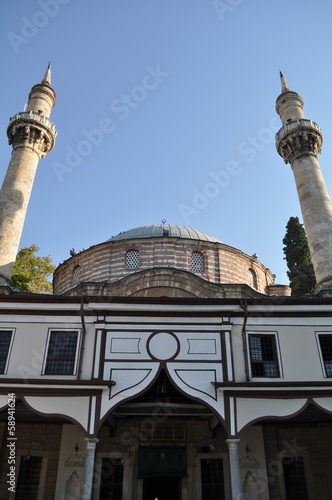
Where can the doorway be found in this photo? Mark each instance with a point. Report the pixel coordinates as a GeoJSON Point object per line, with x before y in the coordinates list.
{"type": "Point", "coordinates": [162, 488]}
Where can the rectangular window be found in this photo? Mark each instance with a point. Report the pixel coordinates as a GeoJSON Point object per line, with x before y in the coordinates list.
{"type": "Point", "coordinates": [263, 355]}
{"type": "Point", "coordinates": [162, 432]}
{"type": "Point", "coordinates": [5, 341]}
{"type": "Point", "coordinates": [212, 479]}
{"type": "Point", "coordinates": [111, 479]}
{"type": "Point", "coordinates": [325, 342]}
{"type": "Point", "coordinates": [29, 477]}
{"type": "Point", "coordinates": [294, 479]}
{"type": "Point", "coordinates": [62, 353]}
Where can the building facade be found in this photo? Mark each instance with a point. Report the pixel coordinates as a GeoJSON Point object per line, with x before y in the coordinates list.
{"type": "Point", "coordinates": [169, 365]}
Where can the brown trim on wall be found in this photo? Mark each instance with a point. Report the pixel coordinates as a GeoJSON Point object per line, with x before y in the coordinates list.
{"type": "Point", "coordinates": [100, 361]}
{"type": "Point", "coordinates": [260, 299]}
{"type": "Point", "coordinates": [40, 312]}
{"type": "Point", "coordinates": [49, 392]}
{"type": "Point", "coordinates": [81, 347]}
{"type": "Point", "coordinates": [232, 354]}
{"type": "Point", "coordinates": [102, 355]}
{"type": "Point", "coordinates": [56, 313]}
{"type": "Point", "coordinates": [227, 415]}
{"type": "Point", "coordinates": [223, 357]}
{"type": "Point", "coordinates": [94, 355]}
{"type": "Point", "coordinates": [295, 394]}
{"type": "Point", "coordinates": [97, 414]}
{"type": "Point", "coordinates": [235, 385]}
{"type": "Point", "coordinates": [89, 417]}
{"type": "Point", "coordinates": [48, 381]}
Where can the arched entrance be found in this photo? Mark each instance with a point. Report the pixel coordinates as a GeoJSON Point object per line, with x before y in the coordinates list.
{"type": "Point", "coordinates": [169, 445]}
{"type": "Point", "coordinates": [35, 452]}
{"type": "Point", "coordinates": [280, 457]}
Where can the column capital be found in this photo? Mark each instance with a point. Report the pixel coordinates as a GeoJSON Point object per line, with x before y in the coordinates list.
{"type": "Point", "coordinates": [232, 442]}
{"type": "Point", "coordinates": [91, 442]}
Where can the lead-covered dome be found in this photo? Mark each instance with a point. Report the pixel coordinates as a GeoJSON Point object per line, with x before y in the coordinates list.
{"type": "Point", "coordinates": [164, 230]}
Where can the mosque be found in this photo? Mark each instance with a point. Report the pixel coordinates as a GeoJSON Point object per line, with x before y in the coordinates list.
{"type": "Point", "coordinates": [167, 364]}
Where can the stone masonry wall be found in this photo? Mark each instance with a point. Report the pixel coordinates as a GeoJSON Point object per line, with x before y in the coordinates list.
{"type": "Point", "coordinates": [106, 262]}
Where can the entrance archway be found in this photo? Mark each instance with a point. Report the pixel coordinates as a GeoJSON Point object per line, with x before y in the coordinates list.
{"type": "Point", "coordinates": [168, 443]}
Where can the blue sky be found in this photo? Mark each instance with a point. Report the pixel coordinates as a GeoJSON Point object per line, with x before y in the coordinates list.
{"type": "Point", "coordinates": [165, 110]}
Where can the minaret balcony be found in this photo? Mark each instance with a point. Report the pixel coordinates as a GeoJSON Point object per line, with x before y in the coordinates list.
{"type": "Point", "coordinates": [292, 126]}
{"type": "Point", "coordinates": [29, 127]}
{"type": "Point", "coordinates": [297, 138]}
{"type": "Point", "coordinates": [33, 117]}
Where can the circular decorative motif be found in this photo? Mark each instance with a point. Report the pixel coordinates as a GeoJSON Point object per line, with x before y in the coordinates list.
{"type": "Point", "coordinates": [163, 346]}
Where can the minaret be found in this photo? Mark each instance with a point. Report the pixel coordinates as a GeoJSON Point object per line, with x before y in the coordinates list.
{"type": "Point", "coordinates": [299, 142]}
{"type": "Point", "coordinates": [32, 135]}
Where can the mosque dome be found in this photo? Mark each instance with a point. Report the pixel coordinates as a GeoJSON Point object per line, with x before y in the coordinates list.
{"type": "Point", "coordinates": [164, 230]}
{"type": "Point", "coordinates": [161, 259]}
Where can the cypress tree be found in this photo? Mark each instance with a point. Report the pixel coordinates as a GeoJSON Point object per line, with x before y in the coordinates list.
{"type": "Point", "coordinates": [297, 255]}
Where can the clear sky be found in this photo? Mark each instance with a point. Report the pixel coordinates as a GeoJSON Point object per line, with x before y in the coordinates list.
{"type": "Point", "coordinates": [165, 110]}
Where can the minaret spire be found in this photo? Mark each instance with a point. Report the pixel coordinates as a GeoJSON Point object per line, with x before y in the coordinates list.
{"type": "Point", "coordinates": [284, 86]}
{"type": "Point", "coordinates": [32, 135]}
{"type": "Point", "coordinates": [47, 76]}
{"type": "Point", "coordinates": [299, 142]}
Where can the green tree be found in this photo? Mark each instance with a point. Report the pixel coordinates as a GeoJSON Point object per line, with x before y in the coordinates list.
{"type": "Point", "coordinates": [301, 272]}
{"type": "Point", "coordinates": [31, 272]}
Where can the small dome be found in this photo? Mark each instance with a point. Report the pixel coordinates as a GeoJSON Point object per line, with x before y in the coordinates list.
{"type": "Point", "coordinates": [164, 230]}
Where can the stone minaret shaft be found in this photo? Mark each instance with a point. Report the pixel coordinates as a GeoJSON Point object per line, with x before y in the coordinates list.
{"type": "Point", "coordinates": [32, 135]}
{"type": "Point", "coordinates": [299, 143]}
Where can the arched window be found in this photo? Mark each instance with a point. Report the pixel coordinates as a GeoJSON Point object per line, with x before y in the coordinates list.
{"type": "Point", "coordinates": [197, 262]}
{"type": "Point", "coordinates": [75, 278]}
{"type": "Point", "coordinates": [132, 259]}
{"type": "Point", "coordinates": [252, 279]}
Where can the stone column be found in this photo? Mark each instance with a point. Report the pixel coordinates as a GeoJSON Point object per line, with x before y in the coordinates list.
{"type": "Point", "coordinates": [89, 467]}
{"type": "Point", "coordinates": [234, 468]}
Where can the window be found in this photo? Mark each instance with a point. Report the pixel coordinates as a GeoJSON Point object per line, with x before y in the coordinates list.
{"type": "Point", "coordinates": [29, 477]}
{"type": "Point", "coordinates": [212, 479]}
{"type": "Point", "coordinates": [197, 262]}
{"type": "Point", "coordinates": [76, 275]}
{"type": "Point", "coordinates": [162, 432]}
{"type": "Point", "coordinates": [132, 259]}
{"type": "Point", "coordinates": [325, 342]}
{"type": "Point", "coordinates": [111, 479]}
{"type": "Point", "coordinates": [62, 351]}
{"type": "Point", "coordinates": [5, 341]}
{"type": "Point", "coordinates": [252, 279]}
{"type": "Point", "coordinates": [263, 355]}
{"type": "Point", "coordinates": [294, 479]}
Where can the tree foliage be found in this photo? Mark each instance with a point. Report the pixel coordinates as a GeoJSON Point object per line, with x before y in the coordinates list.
{"type": "Point", "coordinates": [297, 254]}
{"type": "Point", "coordinates": [31, 272]}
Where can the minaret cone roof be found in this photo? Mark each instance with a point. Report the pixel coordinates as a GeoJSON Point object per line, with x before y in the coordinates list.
{"type": "Point", "coordinates": [47, 76]}
{"type": "Point", "coordinates": [284, 86]}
